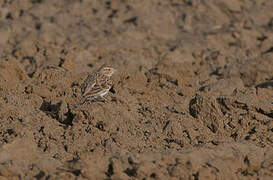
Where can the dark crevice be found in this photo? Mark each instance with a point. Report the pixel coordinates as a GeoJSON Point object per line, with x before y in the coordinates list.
{"type": "Point", "coordinates": [192, 110]}
{"type": "Point", "coordinates": [51, 110]}
{"type": "Point", "coordinates": [74, 160]}
{"type": "Point", "coordinates": [69, 118]}
{"type": "Point", "coordinates": [270, 50]}
{"type": "Point", "coordinates": [113, 13]}
{"type": "Point", "coordinates": [61, 62]}
{"type": "Point", "coordinates": [21, 13]}
{"type": "Point", "coordinates": [176, 141]}
{"type": "Point", "coordinates": [202, 88]}
{"type": "Point", "coordinates": [132, 172]}
{"type": "Point", "coordinates": [132, 20]}
{"type": "Point", "coordinates": [153, 175]}
{"type": "Point", "coordinates": [76, 172]}
{"type": "Point", "coordinates": [108, 4]}
{"type": "Point", "coordinates": [212, 128]}
{"type": "Point", "coordinates": [90, 65]}
{"type": "Point", "coordinates": [36, 1]}
{"type": "Point", "coordinates": [40, 175]}
{"type": "Point", "coordinates": [10, 131]}
{"type": "Point", "coordinates": [216, 72]}
{"type": "Point", "coordinates": [100, 125]}
{"type": "Point", "coordinates": [196, 176]}
{"type": "Point", "coordinates": [213, 167]}
{"type": "Point", "coordinates": [38, 26]}
{"type": "Point", "coordinates": [166, 125]}
{"type": "Point", "coordinates": [262, 38]}
{"type": "Point", "coordinates": [268, 114]}
{"type": "Point", "coordinates": [110, 170]}
{"type": "Point", "coordinates": [65, 148]}
{"type": "Point", "coordinates": [173, 48]}
{"type": "Point", "coordinates": [9, 16]}
{"type": "Point", "coordinates": [265, 85]}
{"type": "Point", "coordinates": [223, 106]}
{"type": "Point", "coordinates": [246, 160]}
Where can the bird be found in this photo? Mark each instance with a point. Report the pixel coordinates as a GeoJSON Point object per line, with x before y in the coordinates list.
{"type": "Point", "coordinates": [97, 84]}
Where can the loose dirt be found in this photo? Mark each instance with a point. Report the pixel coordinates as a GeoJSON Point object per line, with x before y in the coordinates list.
{"type": "Point", "coordinates": [192, 98]}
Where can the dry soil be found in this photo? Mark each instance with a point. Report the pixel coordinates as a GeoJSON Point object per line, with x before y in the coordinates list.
{"type": "Point", "coordinates": [192, 99]}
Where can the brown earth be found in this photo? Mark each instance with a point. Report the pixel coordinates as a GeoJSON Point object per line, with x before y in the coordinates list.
{"type": "Point", "coordinates": [192, 99]}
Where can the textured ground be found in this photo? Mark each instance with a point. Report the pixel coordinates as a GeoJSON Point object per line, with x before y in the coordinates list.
{"type": "Point", "coordinates": [192, 99]}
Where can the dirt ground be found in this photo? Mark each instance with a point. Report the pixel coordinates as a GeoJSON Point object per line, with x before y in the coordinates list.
{"type": "Point", "coordinates": [192, 98]}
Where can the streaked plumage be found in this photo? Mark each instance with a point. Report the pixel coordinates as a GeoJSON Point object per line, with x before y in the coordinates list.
{"type": "Point", "coordinates": [97, 84]}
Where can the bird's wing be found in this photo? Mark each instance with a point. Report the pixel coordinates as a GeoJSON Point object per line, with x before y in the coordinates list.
{"type": "Point", "coordinates": [89, 83]}
{"type": "Point", "coordinates": [97, 89]}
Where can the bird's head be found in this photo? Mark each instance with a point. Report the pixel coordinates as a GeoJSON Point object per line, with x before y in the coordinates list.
{"type": "Point", "coordinates": [108, 71]}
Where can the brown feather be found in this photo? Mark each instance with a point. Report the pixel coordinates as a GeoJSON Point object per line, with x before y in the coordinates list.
{"type": "Point", "coordinates": [98, 83]}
